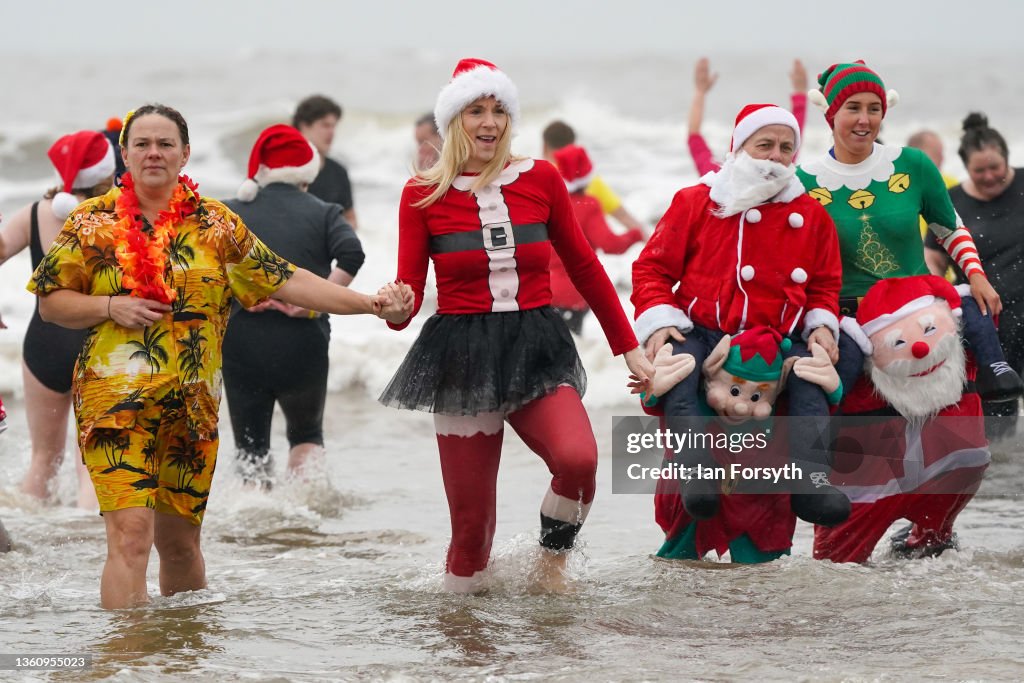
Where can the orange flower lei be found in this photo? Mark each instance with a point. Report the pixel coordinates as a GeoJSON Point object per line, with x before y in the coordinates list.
{"type": "Point", "coordinates": [142, 249]}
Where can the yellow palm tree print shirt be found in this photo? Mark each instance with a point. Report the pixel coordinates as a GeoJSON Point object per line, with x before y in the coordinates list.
{"type": "Point", "coordinates": [212, 259]}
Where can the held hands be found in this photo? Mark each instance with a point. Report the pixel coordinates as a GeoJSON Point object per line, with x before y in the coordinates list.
{"type": "Point", "coordinates": [823, 336]}
{"type": "Point", "coordinates": [290, 310]}
{"type": "Point", "coordinates": [393, 302]}
{"type": "Point", "coordinates": [987, 297]}
{"type": "Point", "coordinates": [134, 312]}
{"type": "Point", "coordinates": [817, 369]}
{"type": "Point", "coordinates": [641, 371]}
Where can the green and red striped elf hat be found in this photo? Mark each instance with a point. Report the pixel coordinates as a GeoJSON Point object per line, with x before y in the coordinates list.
{"type": "Point", "coordinates": [839, 82]}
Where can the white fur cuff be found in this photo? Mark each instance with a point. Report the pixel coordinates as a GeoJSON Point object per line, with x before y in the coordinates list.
{"type": "Point", "coordinates": [852, 330]}
{"type": "Point", "coordinates": [657, 317]}
{"type": "Point", "coordinates": [819, 317]}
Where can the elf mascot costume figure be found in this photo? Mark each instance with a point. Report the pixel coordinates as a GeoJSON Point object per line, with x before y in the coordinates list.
{"type": "Point", "coordinates": [743, 377]}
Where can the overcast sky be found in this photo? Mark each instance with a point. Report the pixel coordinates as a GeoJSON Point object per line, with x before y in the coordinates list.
{"type": "Point", "coordinates": [554, 27]}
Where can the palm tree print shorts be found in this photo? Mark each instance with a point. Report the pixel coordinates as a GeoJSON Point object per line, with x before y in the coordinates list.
{"type": "Point", "coordinates": [158, 463]}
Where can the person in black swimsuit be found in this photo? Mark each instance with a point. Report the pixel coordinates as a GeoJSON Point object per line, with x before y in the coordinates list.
{"type": "Point", "coordinates": [85, 163]}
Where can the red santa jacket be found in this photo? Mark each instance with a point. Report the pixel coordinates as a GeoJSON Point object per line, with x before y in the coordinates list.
{"type": "Point", "coordinates": [776, 265]}
{"type": "Point", "coordinates": [601, 237]}
{"type": "Point", "coordinates": [491, 249]}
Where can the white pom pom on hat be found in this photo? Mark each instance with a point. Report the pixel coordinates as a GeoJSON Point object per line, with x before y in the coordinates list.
{"type": "Point", "coordinates": [471, 80]}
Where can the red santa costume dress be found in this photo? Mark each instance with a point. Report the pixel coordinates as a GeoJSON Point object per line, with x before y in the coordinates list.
{"type": "Point", "coordinates": [892, 468]}
{"type": "Point", "coordinates": [496, 351]}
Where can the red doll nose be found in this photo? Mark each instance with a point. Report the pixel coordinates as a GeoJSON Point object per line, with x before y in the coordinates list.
{"type": "Point", "coordinates": [920, 349]}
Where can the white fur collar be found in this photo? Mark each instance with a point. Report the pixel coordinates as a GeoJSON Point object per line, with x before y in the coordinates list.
{"type": "Point", "coordinates": [509, 174]}
{"type": "Point", "coordinates": [832, 174]}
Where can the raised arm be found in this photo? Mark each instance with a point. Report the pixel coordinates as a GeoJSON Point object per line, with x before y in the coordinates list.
{"type": "Point", "coordinates": [703, 80]}
{"type": "Point", "coordinates": [798, 93]}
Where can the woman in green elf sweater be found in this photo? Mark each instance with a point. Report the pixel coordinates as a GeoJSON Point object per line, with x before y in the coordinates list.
{"type": "Point", "coordinates": [875, 194]}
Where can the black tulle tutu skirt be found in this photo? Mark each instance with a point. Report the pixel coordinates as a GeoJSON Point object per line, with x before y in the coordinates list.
{"type": "Point", "coordinates": [484, 362]}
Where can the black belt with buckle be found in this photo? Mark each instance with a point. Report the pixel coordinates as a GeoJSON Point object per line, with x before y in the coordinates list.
{"type": "Point", "coordinates": [492, 237]}
{"type": "Point", "coordinates": [848, 305]}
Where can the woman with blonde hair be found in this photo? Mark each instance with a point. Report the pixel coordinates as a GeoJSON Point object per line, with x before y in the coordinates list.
{"type": "Point", "coordinates": [496, 351]}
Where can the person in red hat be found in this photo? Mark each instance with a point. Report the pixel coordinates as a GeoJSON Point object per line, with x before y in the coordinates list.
{"type": "Point", "coordinates": [574, 164]}
{"type": "Point", "coordinates": [84, 162]}
{"type": "Point", "coordinates": [496, 351]}
{"type": "Point", "coordinates": [922, 454]}
{"type": "Point", "coordinates": [276, 352]}
{"type": "Point", "coordinates": [559, 134]}
{"type": "Point", "coordinates": [747, 247]}
{"type": "Point", "coordinates": [150, 269]}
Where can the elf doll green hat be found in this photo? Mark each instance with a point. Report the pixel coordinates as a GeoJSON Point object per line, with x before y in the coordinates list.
{"type": "Point", "coordinates": [756, 354]}
{"type": "Point", "coordinates": [839, 82]}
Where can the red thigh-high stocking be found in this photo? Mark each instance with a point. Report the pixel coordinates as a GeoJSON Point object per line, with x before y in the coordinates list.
{"type": "Point", "coordinates": [556, 428]}
{"type": "Point", "coordinates": [470, 449]}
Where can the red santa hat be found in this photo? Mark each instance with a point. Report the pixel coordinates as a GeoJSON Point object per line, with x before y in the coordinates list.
{"type": "Point", "coordinates": [891, 300]}
{"type": "Point", "coordinates": [281, 155]}
{"type": "Point", "coordinates": [82, 160]}
{"type": "Point", "coordinates": [753, 117]}
{"type": "Point", "coordinates": [574, 165]}
{"type": "Point", "coordinates": [471, 80]}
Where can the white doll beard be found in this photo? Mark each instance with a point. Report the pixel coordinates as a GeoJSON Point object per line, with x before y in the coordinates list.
{"type": "Point", "coordinates": [919, 398]}
{"type": "Point", "coordinates": [748, 182]}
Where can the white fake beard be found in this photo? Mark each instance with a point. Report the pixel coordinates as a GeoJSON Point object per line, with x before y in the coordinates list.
{"type": "Point", "coordinates": [919, 398]}
{"type": "Point", "coordinates": [745, 182]}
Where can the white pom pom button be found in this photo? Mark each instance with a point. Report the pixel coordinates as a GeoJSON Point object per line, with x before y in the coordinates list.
{"type": "Point", "coordinates": [753, 216]}
{"type": "Point", "coordinates": [747, 272]}
{"type": "Point", "coordinates": [796, 220]}
{"type": "Point", "coordinates": [799, 276]}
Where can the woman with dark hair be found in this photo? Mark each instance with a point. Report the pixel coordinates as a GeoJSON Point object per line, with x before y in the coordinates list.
{"type": "Point", "coordinates": [991, 201]}
{"type": "Point", "coordinates": [496, 351]}
{"type": "Point", "coordinates": [85, 162]}
{"type": "Point", "coordinates": [875, 193]}
{"type": "Point", "coordinates": [151, 268]}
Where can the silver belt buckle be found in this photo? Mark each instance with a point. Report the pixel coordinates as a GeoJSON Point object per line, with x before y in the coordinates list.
{"type": "Point", "coordinates": [498, 236]}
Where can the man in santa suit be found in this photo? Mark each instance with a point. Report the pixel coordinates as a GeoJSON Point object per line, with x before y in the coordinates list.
{"type": "Point", "coordinates": [744, 247]}
{"type": "Point", "coordinates": [911, 443]}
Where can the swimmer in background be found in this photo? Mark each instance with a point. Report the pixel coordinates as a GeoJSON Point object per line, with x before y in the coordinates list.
{"type": "Point", "coordinates": [559, 134]}
{"type": "Point", "coordinates": [428, 142]}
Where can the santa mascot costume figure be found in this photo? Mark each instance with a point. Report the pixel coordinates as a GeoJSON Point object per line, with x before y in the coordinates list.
{"type": "Point", "coordinates": [910, 442]}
